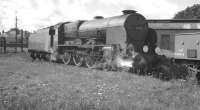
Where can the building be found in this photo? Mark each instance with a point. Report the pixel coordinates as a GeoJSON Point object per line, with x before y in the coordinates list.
{"type": "Point", "coordinates": [167, 29]}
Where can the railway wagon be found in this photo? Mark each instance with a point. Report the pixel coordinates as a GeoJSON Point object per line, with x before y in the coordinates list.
{"type": "Point", "coordinates": [187, 52]}
{"type": "Point", "coordinates": [187, 47]}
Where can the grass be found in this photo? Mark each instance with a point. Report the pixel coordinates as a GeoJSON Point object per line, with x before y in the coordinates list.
{"type": "Point", "coordinates": [26, 85]}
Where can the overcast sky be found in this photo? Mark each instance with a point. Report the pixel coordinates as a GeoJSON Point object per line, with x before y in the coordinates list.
{"type": "Point", "coordinates": [34, 14]}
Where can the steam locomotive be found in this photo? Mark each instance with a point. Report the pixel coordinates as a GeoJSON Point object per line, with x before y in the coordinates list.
{"type": "Point", "coordinates": [89, 41]}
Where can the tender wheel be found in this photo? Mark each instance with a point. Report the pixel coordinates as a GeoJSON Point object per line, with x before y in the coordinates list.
{"type": "Point", "coordinates": [33, 55]}
{"type": "Point", "coordinates": [43, 56]}
{"type": "Point", "coordinates": [38, 56]}
{"type": "Point", "coordinates": [78, 59]}
{"type": "Point", "coordinates": [90, 61]}
{"type": "Point", "coordinates": [66, 58]}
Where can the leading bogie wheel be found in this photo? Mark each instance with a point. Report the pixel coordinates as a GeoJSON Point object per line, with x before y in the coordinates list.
{"type": "Point", "coordinates": [66, 58]}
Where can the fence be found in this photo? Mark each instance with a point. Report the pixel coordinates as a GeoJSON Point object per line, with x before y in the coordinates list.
{"type": "Point", "coordinates": [13, 42]}
{"type": "Point", "coordinates": [7, 47]}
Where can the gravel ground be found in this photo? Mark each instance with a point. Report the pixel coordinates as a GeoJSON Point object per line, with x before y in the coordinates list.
{"type": "Point", "coordinates": [42, 85]}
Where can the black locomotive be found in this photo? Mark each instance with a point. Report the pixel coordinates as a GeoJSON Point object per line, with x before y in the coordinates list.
{"type": "Point", "coordinates": [89, 41]}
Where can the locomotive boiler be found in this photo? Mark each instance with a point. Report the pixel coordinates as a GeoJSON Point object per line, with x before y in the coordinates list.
{"type": "Point", "coordinates": [95, 40]}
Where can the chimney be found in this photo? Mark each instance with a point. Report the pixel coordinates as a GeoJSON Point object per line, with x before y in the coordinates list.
{"type": "Point", "coordinates": [128, 11]}
{"type": "Point", "coordinates": [98, 17]}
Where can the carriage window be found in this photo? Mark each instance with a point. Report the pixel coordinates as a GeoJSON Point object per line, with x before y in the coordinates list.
{"type": "Point", "coordinates": [165, 41]}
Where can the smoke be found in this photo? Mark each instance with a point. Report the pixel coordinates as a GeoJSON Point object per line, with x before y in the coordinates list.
{"type": "Point", "coordinates": [122, 62]}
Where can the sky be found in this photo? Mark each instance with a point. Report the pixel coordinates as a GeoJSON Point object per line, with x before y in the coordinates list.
{"type": "Point", "coordinates": [36, 14]}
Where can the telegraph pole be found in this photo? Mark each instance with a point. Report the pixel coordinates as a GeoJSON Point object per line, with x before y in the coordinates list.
{"type": "Point", "coordinates": [16, 32]}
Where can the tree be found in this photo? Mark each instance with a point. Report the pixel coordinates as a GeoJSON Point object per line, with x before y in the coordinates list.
{"type": "Point", "coordinates": [192, 12]}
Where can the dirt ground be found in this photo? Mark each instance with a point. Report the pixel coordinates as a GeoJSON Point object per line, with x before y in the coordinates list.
{"type": "Point", "coordinates": [27, 85]}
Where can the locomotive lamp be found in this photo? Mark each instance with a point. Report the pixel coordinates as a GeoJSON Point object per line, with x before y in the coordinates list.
{"type": "Point", "coordinates": [145, 48]}
{"type": "Point", "coordinates": [158, 50]}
